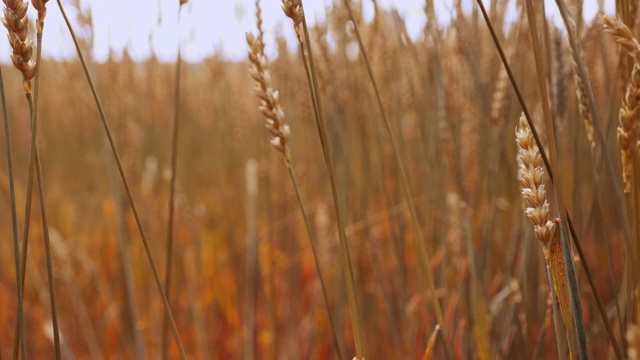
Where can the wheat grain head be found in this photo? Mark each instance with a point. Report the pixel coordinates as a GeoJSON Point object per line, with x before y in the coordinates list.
{"type": "Point", "coordinates": [531, 174]}
{"type": "Point", "coordinates": [622, 34]}
{"type": "Point", "coordinates": [269, 100]}
{"type": "Point", "coordinates": [628, 131]}
{"type": "Point", "coordinates": [16, 21]}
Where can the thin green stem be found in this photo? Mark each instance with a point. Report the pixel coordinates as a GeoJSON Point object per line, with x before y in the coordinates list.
{"type": "Point", "coordinates": [125, 182]}
{"type": "Point", "coordinates": [422, 250]}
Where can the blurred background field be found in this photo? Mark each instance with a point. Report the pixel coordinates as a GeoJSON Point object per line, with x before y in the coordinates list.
{"type": "Point", "coordinates": [454, 115]}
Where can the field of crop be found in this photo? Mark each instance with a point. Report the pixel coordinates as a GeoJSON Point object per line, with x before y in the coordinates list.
{"type": "Point", "coordinates": [369, 195]}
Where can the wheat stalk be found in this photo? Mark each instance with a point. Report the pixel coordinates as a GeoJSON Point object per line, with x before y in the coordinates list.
{"type": "Point", "coordinates": [16, 21]}
{"type": "Point", "coordinates": [294, 10]}
{"type": "Point", "coordinates": [174, 175]}
{"type": "Point", "coordinates": [40, 6]}
{"type": "Point", "coordinates": [275, 122]}
{"type": "Point", "coordinates": [14, 220]}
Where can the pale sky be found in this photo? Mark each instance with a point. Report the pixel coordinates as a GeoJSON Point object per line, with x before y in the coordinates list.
{"type": "Point", "coordinates": [208, 26]}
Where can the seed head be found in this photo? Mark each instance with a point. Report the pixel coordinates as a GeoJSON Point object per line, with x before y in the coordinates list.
{"type": "Point", "coordinates": [531, 175]}
{"type": "Point", "coordinates": [269, 98]}
{"type": "Point", "coordinates": [15, 20]}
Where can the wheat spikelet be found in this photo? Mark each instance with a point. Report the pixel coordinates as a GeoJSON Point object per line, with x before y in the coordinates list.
{"type": "Point", "coordinates": [559, 84]}
{"type": "Point", "coordinates": [269, 103]}
{"type": "Point", "coordinates": [259, 25]}
{"type": "Point", "coordinates": [622, 34]}
{"type": "Point", "coordinates": [40, 5]}
{"type": "Point", "coordinates": [293, 10]}
{"type": "Point", "coordinates": [530, 174]}
{"type": "Point", "coordinates": [583, 105]}
{"type": "Point", "coordinates": [628, 131]}
{"type": "Point", "coordinates": [15, 20]}
{"type": "Point", "coordinates": [500, 96]}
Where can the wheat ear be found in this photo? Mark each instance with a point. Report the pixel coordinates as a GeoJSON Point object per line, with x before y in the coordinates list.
{"type": "Point", "coordinates": [531, 174]}
{"type": "Point", "coordinates": [628, 131]}
{"type": "Point", "coordinates": [583, 106]}
{"type": "Point", "coordinates": [622, 34]}
{"type": "Point", "coordinates": [16, 22]}
{"type": "Point", "coordinates": [269, 98]}
{"type": "Point", "coordinates": [10, 18]}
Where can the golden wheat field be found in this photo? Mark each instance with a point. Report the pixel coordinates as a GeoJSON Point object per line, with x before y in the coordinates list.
{"type": "Point", "coordinates": [472, 192]}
